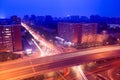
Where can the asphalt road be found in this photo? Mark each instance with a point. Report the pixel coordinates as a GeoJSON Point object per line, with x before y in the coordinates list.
{"type": "Point", "coordinates": [22, 69]}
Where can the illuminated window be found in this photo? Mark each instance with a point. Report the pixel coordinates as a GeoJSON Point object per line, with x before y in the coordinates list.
{"type": "Point", "coordinates": [7, 29]}
{"type": "Point", "coordinates": [0, 42]}
{"type": "Point", "coordinates": [7, 36]}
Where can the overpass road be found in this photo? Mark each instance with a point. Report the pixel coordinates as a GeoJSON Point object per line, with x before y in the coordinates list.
{"type": "Point", "coordinates": [17, 70]}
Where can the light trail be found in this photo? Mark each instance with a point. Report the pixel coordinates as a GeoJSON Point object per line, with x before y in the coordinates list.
{"type": "Point", "coordinates": [79, 73]}
{"type": "Point", "coordinates": [51, 49]}
{"type": "Point", "coordinates": [41, 52]}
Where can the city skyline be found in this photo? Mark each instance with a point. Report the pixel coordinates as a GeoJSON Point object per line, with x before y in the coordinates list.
{"type": "Point", "coordinates": [59, 40]}
{"type": "Point", "coordinates": [59, 8]}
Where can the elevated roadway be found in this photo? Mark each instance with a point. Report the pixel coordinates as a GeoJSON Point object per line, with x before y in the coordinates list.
{"type": "Point", "coordinates": [20, 69]}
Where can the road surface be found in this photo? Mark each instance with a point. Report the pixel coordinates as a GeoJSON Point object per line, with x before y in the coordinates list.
{"type": "Point", "coordinates": [22, 69]}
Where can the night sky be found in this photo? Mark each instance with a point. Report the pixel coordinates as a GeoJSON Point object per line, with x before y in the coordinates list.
{"type": "Point", "coordinates": [59, 7]}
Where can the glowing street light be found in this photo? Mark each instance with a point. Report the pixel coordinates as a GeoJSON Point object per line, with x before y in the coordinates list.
{"type": "Point", "coordinates": [28, 51]}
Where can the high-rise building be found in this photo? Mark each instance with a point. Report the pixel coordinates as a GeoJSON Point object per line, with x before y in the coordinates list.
{"type": "Point", "coordinates": [78, 32]}
{"type": "Point", "coordinates": [10, 35]}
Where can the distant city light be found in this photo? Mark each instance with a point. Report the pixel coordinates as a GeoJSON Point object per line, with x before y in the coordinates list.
{"type": "Point", "coordinates": [68, 15]}
{"type": "Point", "coordinates": [2, 16]}
{"type": "Point", "coordinates": [59, 38]}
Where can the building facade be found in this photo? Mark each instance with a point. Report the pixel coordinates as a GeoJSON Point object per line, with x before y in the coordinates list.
{"type": "Point", "coordinates": [78, 32]}
{"type": "Point", "coordinates": [10, 36]}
